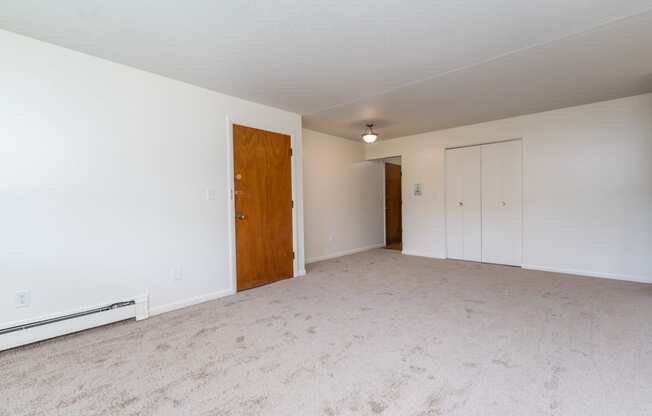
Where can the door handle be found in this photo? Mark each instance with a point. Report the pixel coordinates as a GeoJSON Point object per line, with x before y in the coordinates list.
{"type": "Point", "coordinates": [240, 216]}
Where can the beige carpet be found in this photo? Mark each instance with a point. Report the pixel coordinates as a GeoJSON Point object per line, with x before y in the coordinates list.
{"type": "Point", "coordinates": [373, 333]}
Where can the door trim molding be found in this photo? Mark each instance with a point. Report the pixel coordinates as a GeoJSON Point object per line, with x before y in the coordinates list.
{"type": "Point", "coordinates": [383, 161]}
{"type": "Point", "coordinates": [385, 203]}
{"type": "Point", "coordinates": [483, 143]}
{"type": "Point", "coordinates": [230, 201]}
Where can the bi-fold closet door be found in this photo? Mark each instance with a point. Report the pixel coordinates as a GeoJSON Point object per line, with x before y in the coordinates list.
{"type": "Point", "coordinates": [464, 203]}
{"type": "Point", "coordinates": [484, 203]}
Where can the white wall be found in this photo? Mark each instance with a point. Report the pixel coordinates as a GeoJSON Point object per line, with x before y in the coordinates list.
{"type": "Point", "coordinates": [587, 186]}
{"type": "Point", "coordinates": [104, 172]}
{"type": "Point", "coordinates": [343, 196]}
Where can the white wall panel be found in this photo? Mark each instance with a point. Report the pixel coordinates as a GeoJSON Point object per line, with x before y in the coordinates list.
{"type": "Point", "coordinates": [113, 182]}
{"type": "Point", "coordinates": [502, 203]}
{"type": "Point", "coordinates": [463, 204]}
{"type": "Point", "coordinates": [587, 186]}
{"type": "Point", "coordinates": [344, 205]}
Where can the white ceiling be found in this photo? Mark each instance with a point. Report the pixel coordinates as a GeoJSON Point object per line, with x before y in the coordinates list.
{"type": "Point", "coordinates": [410, 66]}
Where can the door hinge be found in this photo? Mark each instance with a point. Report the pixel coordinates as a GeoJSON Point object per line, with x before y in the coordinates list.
{"type": "Point", "coordinates": [293, 255]}
{"type": "Point", "coordinates": [290, 152]}
{"type": "Point", "coordinates": [292, 204]}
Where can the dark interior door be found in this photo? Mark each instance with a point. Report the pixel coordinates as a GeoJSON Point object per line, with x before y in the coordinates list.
{"type": "Point", "coordinates": [263, 206]}
{"type": "Point", "coordinates": [393, 219]}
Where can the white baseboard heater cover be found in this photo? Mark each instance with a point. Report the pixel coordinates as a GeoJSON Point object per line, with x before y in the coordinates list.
{"type": "Point", "coordinates": [39, 330]}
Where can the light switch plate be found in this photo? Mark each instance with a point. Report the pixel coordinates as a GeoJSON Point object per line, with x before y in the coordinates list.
{"type": "Point", "coordinates": [23, 298]}
{"type": "Point", "coordinates": [418, 190]}
{"type": "Point", "coordinates": [211, 194]}
{"type": "Point", "coordinates": [177, 273]}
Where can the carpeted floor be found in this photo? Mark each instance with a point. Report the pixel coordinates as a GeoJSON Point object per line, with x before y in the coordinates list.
{"type": "Point", "coordinates": [368, 334]}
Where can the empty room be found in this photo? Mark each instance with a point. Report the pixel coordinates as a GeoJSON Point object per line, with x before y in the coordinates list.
{"type": "Point", "coordinates": [328, 208]}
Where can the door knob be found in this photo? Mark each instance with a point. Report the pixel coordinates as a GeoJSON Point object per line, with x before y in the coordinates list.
{"type": "Point", "coordinates": [240, 216]}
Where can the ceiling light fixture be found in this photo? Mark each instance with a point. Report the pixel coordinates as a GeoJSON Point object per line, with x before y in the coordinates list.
{"type": "Point", "coordinates": [369, 135]}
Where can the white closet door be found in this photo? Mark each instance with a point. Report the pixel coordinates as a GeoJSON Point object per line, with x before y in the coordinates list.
{"type": "Point", "coordinates": [502, 203]}
{"type": "Point", "coordinates": [464, 204]}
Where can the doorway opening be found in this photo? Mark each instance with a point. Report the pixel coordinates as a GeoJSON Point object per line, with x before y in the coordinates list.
{"type": "Point", "coordinates": [393, 204]}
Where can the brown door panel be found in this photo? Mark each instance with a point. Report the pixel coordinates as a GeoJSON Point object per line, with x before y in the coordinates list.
{"type": "Point", "coordinates": [393, 215]}
{"type": "Point", "coordinates": [263, 206]}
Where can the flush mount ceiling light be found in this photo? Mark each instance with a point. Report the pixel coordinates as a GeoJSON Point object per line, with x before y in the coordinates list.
{"type": "Point", "coordinates": [369, 135]}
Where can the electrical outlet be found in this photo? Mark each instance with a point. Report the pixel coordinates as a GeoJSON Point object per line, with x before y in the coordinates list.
{"type": "Point", "coordinates": [23, 298]}
{"type": "Point", "coordinates": [211, 194]}
{"type": "Point", "coordinates": [177, 273]}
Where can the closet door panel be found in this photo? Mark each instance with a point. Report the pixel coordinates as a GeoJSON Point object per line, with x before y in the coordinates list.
{"type": "Point", "coordinates": [464, 204]}
{"type": "Point", "coordinates": [473, 204]}
{"type": "Point", "coordinates": [454, 214]}
{"type": "Point", "coordinates": [502, 203]}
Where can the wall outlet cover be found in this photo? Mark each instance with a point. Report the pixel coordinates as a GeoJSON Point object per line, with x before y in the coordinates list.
{"type": "Point", "coordinates": [23, 298]}
{"type": "Point", "coordinates": [211, 194]}
{"type": "Point", "coordinates": [177, 273]}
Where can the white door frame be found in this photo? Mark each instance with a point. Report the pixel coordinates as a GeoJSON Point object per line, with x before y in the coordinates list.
{"type": "Point", "coordinates": [230, 201]}
{"type": "Point", "coordinates": [383, 160]}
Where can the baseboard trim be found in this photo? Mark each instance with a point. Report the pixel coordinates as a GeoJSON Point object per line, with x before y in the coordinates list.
{"type": "Point", "coordinates": [588, 273]}
{"type": "Point", "coordinates": [184, 303]}
{"type": "Point", "coordinates": [343, 253]}
{"type": "Point", "coordinates": [408, 253]}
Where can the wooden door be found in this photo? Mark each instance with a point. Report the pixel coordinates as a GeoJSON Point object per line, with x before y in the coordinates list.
{"type": "Point", "coordinates": [501, 203]}
{"type": "Point", "coordinates": [263, 206]}
{"type": "Point", "coordinates": [393, 215]}
{"type": "Point", "coordinates": [464, 203]}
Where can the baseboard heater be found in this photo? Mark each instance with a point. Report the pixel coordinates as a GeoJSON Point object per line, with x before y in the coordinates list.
{"type": "Point", "coordinates": [28, 332]}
